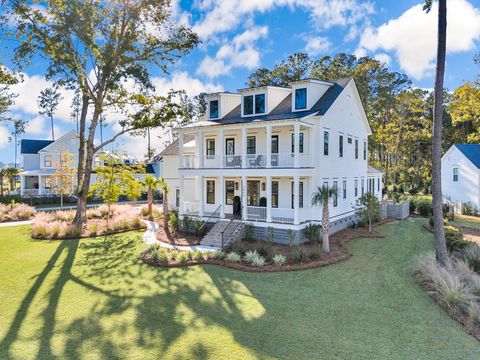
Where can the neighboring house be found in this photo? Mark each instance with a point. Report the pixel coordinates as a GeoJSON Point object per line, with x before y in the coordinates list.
{"type": "Point", "coordinates": [40, 158]}
{"type": "Point", "coordinates": [261, 153]}
{"type": "Point", "coordinates": [461, 174]}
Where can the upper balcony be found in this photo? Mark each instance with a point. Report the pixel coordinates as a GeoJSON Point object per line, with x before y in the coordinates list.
{"type": "Point", "coordinates": [267, 146]}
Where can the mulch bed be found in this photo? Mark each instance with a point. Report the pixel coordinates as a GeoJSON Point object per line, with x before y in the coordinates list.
{"type": "Point", "coordinates": [338, 252]}
{"type": "Point", "coordinates": [472, 329]}
{"type": "Point", "coordinates": [471, 234]}
{"type": "Point", "coordinates": [177, 238]}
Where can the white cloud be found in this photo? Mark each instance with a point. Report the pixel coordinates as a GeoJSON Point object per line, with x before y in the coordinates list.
{"type": "Point", "coordinates": [413, 35]}
{"type": "Point", "coordinates": [182, 80]}
{"type": "Point", "coordinates": [38, 126]}
{"type": "Point", "coordinates": [4, 134]}
{"type": "Point", "coordinates": [239, 53]}
{"type": "Point", "coordinates": [317, 45]}
{"type": "Point", "coordinates": [383, 58]}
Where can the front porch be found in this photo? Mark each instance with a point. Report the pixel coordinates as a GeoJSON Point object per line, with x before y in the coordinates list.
{"type": "Point", "coordinates": [268, 199]}
{"type": "Point", "coordinates": [36, 184]}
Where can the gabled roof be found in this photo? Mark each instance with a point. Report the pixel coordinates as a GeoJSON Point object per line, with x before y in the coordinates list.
{"type": "Point", "coordinates": [28, 146]}
{"type": "Point", "coordinates": [373, 170]}
{"type": "Point", "coordinates": [172, 149]}
{"type": "Point", "coordinates": [471, 152]}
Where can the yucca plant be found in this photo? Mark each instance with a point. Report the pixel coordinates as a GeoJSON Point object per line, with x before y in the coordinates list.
{"type": "Point", "coordinates": [322, 197]}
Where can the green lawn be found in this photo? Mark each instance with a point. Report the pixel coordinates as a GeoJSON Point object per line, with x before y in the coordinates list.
{"type": "Point", "coordinates": [77, 299]}
{"type": "Point", "coordinates": [465, 220]}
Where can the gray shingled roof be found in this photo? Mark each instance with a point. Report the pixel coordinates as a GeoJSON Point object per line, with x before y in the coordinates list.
{"type": "Point", "coordinates": [172, 149]}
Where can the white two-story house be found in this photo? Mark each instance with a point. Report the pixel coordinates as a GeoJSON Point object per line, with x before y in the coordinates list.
{"type": "Point", "coordinates": [261, 153]}
{"type": "Point", "coordinates": [41, 159]}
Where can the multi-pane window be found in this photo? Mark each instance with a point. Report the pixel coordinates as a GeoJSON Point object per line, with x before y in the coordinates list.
{"type": "Point", "coordinates": [300, 144]}
{"type": "Point", "coordinates": [230, 146]}
{"type": "Point", "coordinates": [356, 149]}
{"type": "Point", "coordinates": [274, 144]}
{"type": "Point", "coordinates": [340, 145]}
{"type": "Point", "coordinates": [214, 109]}
{"type": "Point", "coordinates": [210, 147]}
{"type": "Point", "coordinates": [325, 143]}
{"type": "Point", "coordinates": [363, 186]}
{"type": "Point", "coordinates": [356, 188]}
{"type": "Point", "coordinates": [364, 150]}
{"type": "Point", "coordinates": [378, 184]}
{"type": "Point", "coordinates": [335, 194]}
{"type": "Point", "coordinates": [344, 189]}
{"type": "Point", "coordinates": [455, 174]}
{"type": "Point", "coordinates": [210, 191]}
{"type": "Point", "coordinates": [274, 194]}
{"type": "Point", "coordinates": [229, 191]}
{"type": "Point", "coordinates": [177, 197]}
{"type": "Point", "coordinates": [349, 140]}
{"type": "Point", "coordinates": [300, 99]}
{"type": "Point", "coordinates": [300, 194]}
{"type": "Point", "coordinates": [248, 105]}
{"type": "Point", "coordinates": [48, 182]}
{"type": "Point", "coordinates": [251, 145]}
{"type": "Point", "coordinates": [48, 161]}
{"type": "Point", "coordinates": [259, 103]}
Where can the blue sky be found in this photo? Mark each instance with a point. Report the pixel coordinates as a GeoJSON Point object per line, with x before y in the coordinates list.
{"type": "Point", "coordinates": [238, 36]}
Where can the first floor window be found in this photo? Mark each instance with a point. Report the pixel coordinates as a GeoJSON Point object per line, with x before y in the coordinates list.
{"type": "Point", "coordinates": [48, 183]}
{"type": "Point", "coordinates": [177, 198]}
{"type": "Point", "coordinates": [378, 184]}
{"type": "Point", "coordinates": [325, 143]}
{"type": "Point", "coordinates": [210, 191]}
{"type": "Point", "coordinates": [455, 174]}
{"type": "Point", "coordinates": [274, 194]}
{"type": "Point", "coordinates": [344, 189]}
{"type": "Point", "coordinates": [229, 192]}
{"type": "Point", "coordinates": [363, 186]}
{"type": "Point", "coordinates": [210, 147]}
{"type": "Point", "coordinates": [300, 195]}
{"type": "Point", "coordinates": [356, 187]}
{"type": "Point", "coordinates": [356, 149]}
{"type": "Point", "coordinates": [335, 195]}
{"type": "Point", "coordinates": [364, 150]}
{"type": "Point", "coordinates": [48, 161]}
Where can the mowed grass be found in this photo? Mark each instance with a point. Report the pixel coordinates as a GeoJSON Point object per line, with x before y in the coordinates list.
{"type": "Point", "coordinates": [92, 299]}
{"type": "Point", "coordinates": [468, 221]}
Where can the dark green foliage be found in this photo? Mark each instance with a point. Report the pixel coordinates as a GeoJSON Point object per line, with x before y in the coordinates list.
{"type": "Point", "coordinates": [262, 250]}
{"type": "Point", "coordinates": [424, 208]}
{"type": "Point", "coordinates": [312, 233]}
{"type": "Point", "coordinates": [454, 239]}
{"type": "Point", "coordinates": [299, 256]}
{"type": "Point", "coordinates": [263, 202]}
{"type": "Point", "coordinates": [471, 255]}
{"type": "Point", "coordinates": [469, 209]}
{"type": "Point", "coordinates": [173, 220]}
{"type": "Point", "coordinates": [314, 254]}
{"type": "Point", "coordinates": [186, 223]}
{"type": "Point", "coordinates": [198, 227]}
{"type": "Point", "coordinates": [248, 229]}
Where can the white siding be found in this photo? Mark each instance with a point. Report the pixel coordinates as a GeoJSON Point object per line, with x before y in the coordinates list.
{"type": "Point", "coordinates": [31, 161]}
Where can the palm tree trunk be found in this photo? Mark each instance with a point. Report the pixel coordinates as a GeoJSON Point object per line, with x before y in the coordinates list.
{"type": "Point", "coordinates": [150, 201]}
{"type": "Point", "coordinates": [53, 131]}
{"type": "Point", "coordinates": [165, 210]}
{"type": "Point", "coordinates": [440, 246]}
{"type": "Point", "coordinates": [325, 228]}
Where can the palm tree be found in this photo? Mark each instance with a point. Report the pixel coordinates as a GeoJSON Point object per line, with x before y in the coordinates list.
{"type": "Point", "coordinates": [10, 174]}
{"type": "Point", "coordinates": [164, 187]}
{"type": "Point", "coordinates": [151, 183]}
{"type": "Point", "coordinates": [322, 197]}
{"type": "Point", "coordinates": [2, 175]}
{"type": "Point", "coordinates": [440, 245]}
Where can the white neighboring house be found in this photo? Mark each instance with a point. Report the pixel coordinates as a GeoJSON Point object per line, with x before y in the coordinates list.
{"type": "Point", "coordinates": [260, 154]}
{"type": "Point", "coordinates": [40, 157]}
{"type": "Point", "coordinates": [461, 174]}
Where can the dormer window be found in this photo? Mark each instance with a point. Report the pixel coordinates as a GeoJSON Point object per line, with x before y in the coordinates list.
{"type": "Point", "coordinates": [254, 104]}
{"type": "Point", "coordinates": [300, 99]}
{"type": "Point", "coordinates": [214, 109]}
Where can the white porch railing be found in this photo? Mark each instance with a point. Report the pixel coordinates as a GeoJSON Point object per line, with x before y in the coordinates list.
{"type": "Point", "coordinates": [190, 162]}
{"type": "Point", "coordinates": [232, 161]}
{"type": "Point", "coordinates": [256, 161]}
{"type": "Point", "coordinates": [256, 213]}
{"type": "Point", "coordinates": [252, 161]}
{"type": "Point", "coordinates": [282, 160]}
{"type": "Point", "coordinates": [191, 207]}
{"type": "Point", "coordinates": [283, 215]}
{"type": "Point", "coordinates": [212, 161]}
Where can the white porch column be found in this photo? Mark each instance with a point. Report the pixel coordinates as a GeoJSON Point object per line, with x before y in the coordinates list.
{"type": "Point", "coordinates": [180, 150]}
{"type": "Point", "coordinates": [221, 149]}
{"type": "Point", "coordinates": [296, 142]}
{"type": "Point", "coordinates": [202, 196]}
{"type": "Point", "coordinates": [22, 184]}
{"type": "Point", "coordinates": [296, 199]}
{"type": "Point", "coordinates": [244, 197]}
{"type": "Point", "coordinates": [269, 146]}
{"type": "Point", "coordinates": [40, 185]}
{"type": "Point", "coordinates": [222, 197]}
{"type": "Point", "coordinates": [201, 153]}
{"type": "Point", "coordinates": [182, 197]}
{"type": "Point", "coordinates": [244, 147]}
{"type": "Point", "coordinates": [269, 199]}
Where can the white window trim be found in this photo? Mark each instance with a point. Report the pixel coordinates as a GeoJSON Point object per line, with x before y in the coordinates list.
{"type": "Point", "coordinates": [294, 109]}
{"type": "Point", "coordinates": [254, 113]}
{"type": "Point", "coordinates": [209, 102]}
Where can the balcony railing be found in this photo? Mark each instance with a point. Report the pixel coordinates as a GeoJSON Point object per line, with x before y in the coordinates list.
{"type": "Point", "coordinates": [252, 161]}
{"type": "Point", "coordinates": [256, 213]}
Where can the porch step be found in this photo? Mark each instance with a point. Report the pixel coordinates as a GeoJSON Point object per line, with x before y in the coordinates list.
{"type": "Point", "coordinates": [214, 236]}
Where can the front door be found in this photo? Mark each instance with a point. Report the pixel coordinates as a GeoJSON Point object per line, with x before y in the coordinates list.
{"type": "Point", "coordinates": [253, 192]}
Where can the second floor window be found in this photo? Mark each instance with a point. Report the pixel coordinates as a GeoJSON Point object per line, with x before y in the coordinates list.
{"type": "Point", "coordinates": [356, 188]}
{"type": "Point", "coordinates": [274, 144]}
{"type": "Point", "coordinates": [300, 147]}
{"type": "Point", "coordinates": [344, 189]}
{"type": "Point", "coordinates": [455, 174]}
{"type": "Point", "coordinates": [248, 105]}
{"type": "Point", "coordinates": [300, 99]}
{"type": "Point", "coordinates": [325, 143]}
{"type": "Point", "coordinates": [251, 146]}
{"type": "Point", "coordinates": [210, 147]}
{"type": "Point", "coordinates": [340, 146]}
{"type": "Point", "coordinates": [356, 149]}
{"type": "Point", "coordinates": [364, 150]}
{"type": "Point", "coordinates": [48, 161]}
{"type": "Point", "coordinates": [259, 103]}
{"type": "Point", "coordinates": [214, 109]}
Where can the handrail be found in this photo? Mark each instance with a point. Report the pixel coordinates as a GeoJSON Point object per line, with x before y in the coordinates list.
{"type": "Point", "coordinates": [208, 218]}
{"type": "Point", "coordinates": [234, 229]}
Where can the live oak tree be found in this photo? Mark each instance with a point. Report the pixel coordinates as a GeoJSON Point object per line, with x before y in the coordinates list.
{"type": "Point", "coordinates": [106, 50]}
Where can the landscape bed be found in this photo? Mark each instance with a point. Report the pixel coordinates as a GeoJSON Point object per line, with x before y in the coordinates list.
{"type": "Point", "coordinates": [16, 212]}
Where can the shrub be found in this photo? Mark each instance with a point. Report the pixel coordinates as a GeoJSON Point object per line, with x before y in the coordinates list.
{"type": "Point", "coordinates": [250, 255]}
{"type": "Point", "coordinates": [454, 239]}
{"type": "Point", "coordinates": [238, 247]}
{"type": "Point", "coordinates": [154, 254]}
{"type": "Point", "coordinates": [197, 226]}
{"type": "Point", "coordinates": [154, 246]}
{"type": "Point", "coordinates": [73, 231]}
{"type": "Point", "coordinates": [183, 256]}
{"type": "Point", "coordinates": [312, 233]}
{"type": "Point", "coordinates": [424, 208]}
{"type": "Point", "coordinates": [217, 254]}
{"type": "Point", "coordinates": [186, 223]}
{"type": "Point", "coordinates": [290, 237]}
{"type": "Point", "coordinates": [173, 221]}
{"type": "Point", "coordinates": [258, 261]}
{"type": "Point", "coordinates": [16, 211]}
{"type": "Point", "coordinates": [233, 257]}
{"type": "Point", "coordinates": [299, 256]}
{"type": "Point", "coordinates": [471, 255]}
{"type": "Point", "coordinates": [469, 209]}
{"type": "Point", "coordinates": [93, 228]}
{"type": "Point", "coordinates": [163, 256]}
{"type": "Point", "coordinates": [279, 259]}
{"type": "Point", "coordinates": [474, 313]}
{"type": "Point", "coordinates": [248, 229]}
{"type": "Point", "coordinates": [197, 255]}
{"type": "Point", "coordinates": [270, 234]}
{"type": "Point", "coordinates": [262, 250]}
{"type": "Point", "coordinates": [314, 254]}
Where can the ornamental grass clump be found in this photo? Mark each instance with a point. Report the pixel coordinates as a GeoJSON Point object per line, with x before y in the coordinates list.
{"type": "Point", "coordinates": [217, 254]}
{"type": "Point", "coordinates": [16, 212]}
{"type": "Point", "coordinates": [197, 255]}
{"type": "Point", "coordinates": [183, 257]}
{"type": "Point", "coordinates": [233, 257]}
{"type": "Point", "coordinates": [279, 260]}
{"type": "Point", "coordinates": [471, 255]}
